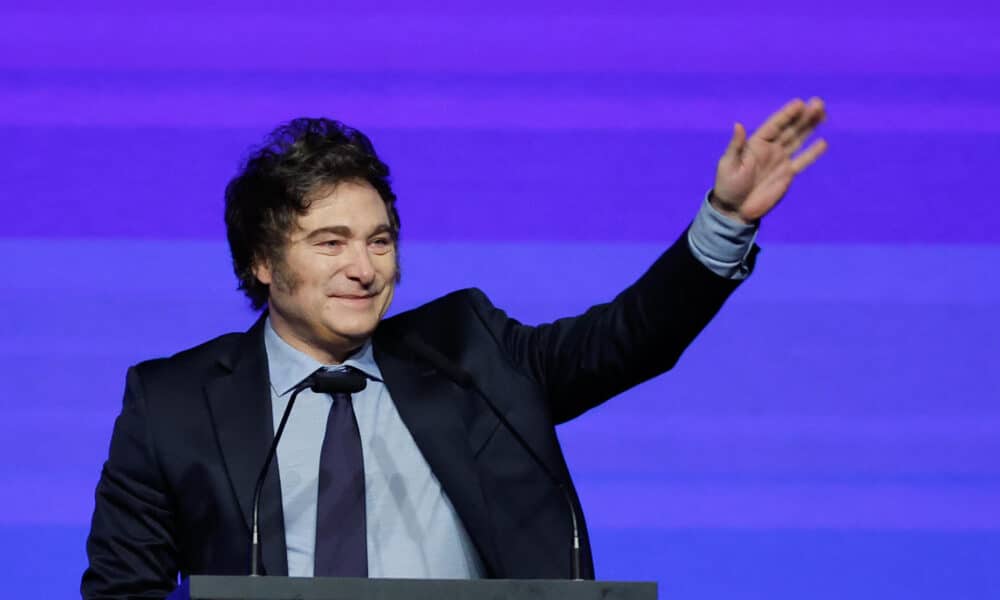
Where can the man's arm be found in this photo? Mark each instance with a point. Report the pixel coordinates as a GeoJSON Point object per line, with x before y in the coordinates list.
{"type": "Point", "coordinates": [131, 547]}
{"type": "Point", "coordinates": [582, 361]}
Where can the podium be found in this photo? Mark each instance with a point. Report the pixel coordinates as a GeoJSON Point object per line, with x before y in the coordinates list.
{"type": "Point", "coordinates": [212, 587]}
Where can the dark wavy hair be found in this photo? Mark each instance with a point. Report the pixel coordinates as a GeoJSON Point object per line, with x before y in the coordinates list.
{"type": "Point", "coordinates": [276, 183]}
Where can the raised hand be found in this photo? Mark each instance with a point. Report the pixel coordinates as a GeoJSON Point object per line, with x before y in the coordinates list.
{"type": "Point", "coordinates": [754, 174]}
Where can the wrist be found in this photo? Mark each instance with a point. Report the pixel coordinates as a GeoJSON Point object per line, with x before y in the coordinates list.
{"type": "Point", "coordinates": [725, 209]}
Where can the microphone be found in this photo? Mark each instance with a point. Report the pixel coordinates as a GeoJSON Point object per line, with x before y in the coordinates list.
{"type": "Point", "coordinates": [465, 379]}
{"type": "Point", "coordinates": [346, 381]}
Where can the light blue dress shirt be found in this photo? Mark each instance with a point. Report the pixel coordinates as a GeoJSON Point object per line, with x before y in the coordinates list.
{"type": "Point", "coordinates": [720, 243]}
{"type": "Point", "coordinates": [413, 529]}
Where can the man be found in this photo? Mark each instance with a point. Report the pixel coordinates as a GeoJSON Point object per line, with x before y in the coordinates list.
{"type": "Point", "coordinates": [416, 475]}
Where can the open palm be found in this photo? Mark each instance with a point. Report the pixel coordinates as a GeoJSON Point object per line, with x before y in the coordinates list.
{"type": "Point", "coordinates": [754, 174]}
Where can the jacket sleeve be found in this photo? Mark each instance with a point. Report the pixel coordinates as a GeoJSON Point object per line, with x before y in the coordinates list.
{"type": "Point", "coordinates": [131, 547]}
{"type": "Point", "coordinates": [583, 361]}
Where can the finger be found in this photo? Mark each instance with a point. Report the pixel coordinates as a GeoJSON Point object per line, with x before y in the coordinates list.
{"type": "Point", "coordinates": [817, 110]}
{"type": "Point", "coordinates": [798, 138]}
{"type": "Point", "coordinates": [796, 142]}
{"type": "Point", "coordinates": [808, 156]}
{"type": "Point", "coordinates": [736, 143]}
{"type": "Point", "coordinates": [793, 138]}
{"type": "Point", "coordinates": [777, 122]}
{"type": "Point", "coordinates": [813, 115]}
{"type": "Point", "coordinates": [791, 132]}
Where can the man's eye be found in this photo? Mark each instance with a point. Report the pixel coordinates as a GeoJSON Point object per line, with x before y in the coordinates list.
{"type": "Point", "coordinates": [381, 245]}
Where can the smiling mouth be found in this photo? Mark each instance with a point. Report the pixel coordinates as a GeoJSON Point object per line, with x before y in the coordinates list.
{"type": "Point", "coordinates": [354, 299]}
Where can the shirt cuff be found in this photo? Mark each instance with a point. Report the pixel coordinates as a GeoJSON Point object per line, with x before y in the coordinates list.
{"type": "Point", "coordinates": [722, 244]}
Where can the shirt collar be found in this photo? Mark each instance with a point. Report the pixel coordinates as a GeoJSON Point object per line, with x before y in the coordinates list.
{"type": "Point", "coordinates": [288, 366]}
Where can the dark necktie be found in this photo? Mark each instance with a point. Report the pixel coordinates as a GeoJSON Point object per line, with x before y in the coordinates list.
{"type": "Point", "coordinates": [341, 532]}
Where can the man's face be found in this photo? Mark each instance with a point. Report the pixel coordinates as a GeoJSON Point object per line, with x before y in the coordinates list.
{"type": "Point", "coordinates": [336, 278]}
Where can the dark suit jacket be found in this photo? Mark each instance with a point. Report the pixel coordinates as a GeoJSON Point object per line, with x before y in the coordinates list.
{"type": "Point", "coordinates": [175, 493]}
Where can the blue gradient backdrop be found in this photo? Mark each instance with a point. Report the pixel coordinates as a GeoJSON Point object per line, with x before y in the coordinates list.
{"type": "Point", "coordinates": [834, 434]}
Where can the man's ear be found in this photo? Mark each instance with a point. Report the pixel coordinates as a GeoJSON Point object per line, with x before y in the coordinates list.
{"type": "Point", "coordinates": [262, 271]}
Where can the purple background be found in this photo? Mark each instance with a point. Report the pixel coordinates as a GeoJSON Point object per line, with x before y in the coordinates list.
{"type": "Point", "coordinates": [836, 431]}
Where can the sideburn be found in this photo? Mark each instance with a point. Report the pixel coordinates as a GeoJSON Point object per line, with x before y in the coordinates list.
{"type": "Point", "coordinates": [283, 277]}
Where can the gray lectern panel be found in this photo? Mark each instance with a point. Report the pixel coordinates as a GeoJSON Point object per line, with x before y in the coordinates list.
{"type": "Point", "coordinates": [206, 587]}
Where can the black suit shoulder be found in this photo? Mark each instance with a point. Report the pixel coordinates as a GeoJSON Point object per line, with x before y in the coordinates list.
{"type": "Point", "coordinates": [192, 359]}
{"type": "Point", "coordinates": [448, 306]}
{"type": "Point", "coordinates": [174, 385]}
{"type": "Point", "coordinates": [446, 321]}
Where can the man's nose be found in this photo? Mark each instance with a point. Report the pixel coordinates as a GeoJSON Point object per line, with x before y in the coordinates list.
{"type": "Point", "coordinates": [360, 267]}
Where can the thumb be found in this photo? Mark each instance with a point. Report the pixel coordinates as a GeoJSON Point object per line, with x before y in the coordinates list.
{"type": "Point", "coordinates": [736, 143]}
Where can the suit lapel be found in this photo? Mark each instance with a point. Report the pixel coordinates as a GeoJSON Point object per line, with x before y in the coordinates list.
{"type": "Point", "coordinates": [240, 404]}
{"type": "Point", "coordinates": [429, 405]}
